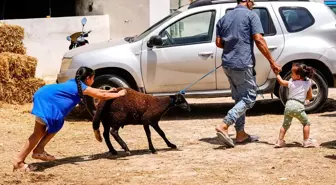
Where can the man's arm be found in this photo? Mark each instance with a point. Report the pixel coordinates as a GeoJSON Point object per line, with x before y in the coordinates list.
{"type": "Point", "coordinates": [257, 34]}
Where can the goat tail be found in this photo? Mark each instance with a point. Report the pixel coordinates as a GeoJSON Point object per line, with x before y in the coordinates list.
{"type": "Point", "coordinates": [96, 120]}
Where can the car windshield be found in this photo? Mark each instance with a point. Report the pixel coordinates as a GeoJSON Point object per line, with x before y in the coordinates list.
{"type": "Point", "coordinates": [156, 25]}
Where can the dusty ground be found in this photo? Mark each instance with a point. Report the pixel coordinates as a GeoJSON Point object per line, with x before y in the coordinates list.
{"type": "Point", "coordinates": [200, 159]}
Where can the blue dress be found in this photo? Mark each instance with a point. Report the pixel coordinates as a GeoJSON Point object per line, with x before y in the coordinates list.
{"type": "Point", "coordinates": [53, 102]}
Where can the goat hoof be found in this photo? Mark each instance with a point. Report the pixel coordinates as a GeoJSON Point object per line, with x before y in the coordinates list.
{"type": "Point", "coordinates": [154, 151]}
{"type": "Point", "coordinates": [113, 152]}
{"type": "Point", "coordinates": [128, 153]}
{"type": "Point", "coordinates": [172, 146]}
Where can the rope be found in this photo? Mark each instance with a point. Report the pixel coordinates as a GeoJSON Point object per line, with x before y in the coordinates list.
{"type": "Point", "coordinates": [185, 89]}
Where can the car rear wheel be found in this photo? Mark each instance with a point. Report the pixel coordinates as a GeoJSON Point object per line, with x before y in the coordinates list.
{"type": "Point", "coordinates": [105, 82]}
{"type": "Point", "coordinates": [320, 92]}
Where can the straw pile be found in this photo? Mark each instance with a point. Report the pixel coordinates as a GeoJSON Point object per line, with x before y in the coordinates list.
{"type": "Point", "coordinates": [11, 37]}
{"type": "Point", "coordinates": [17, 71]}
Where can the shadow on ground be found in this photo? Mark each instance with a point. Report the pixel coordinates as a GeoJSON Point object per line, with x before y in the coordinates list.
{"type": "Point", "coordinates": [84, 158]}
{"type": "Point", "coordinates": [215, 110]}
{"type": "Point", "coordinates": [329, 144]}
{"type": "Point", "coordinates": [217, 142]}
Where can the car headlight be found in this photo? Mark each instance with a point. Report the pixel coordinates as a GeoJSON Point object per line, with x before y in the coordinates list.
{"type": "Point", "coordinates": [66, 62]}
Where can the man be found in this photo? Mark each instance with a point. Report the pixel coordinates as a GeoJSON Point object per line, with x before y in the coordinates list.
{"type": "Point", "coordinates": [236, 33]}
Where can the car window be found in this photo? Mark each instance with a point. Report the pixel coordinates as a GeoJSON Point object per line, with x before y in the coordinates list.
{"type": "Point", "coordinates": [296, 18]}
{"type": "Point", "coordinates": [194, 29]}
{"type": "Point", "coordinates": [333, 8]}
{"type": "Point", "coordinates": [156, 25]}
{"type": "Point", "coordinates": [265, 19]}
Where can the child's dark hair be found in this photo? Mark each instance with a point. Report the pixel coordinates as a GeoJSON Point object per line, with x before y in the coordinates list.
{"type": "Point", "coordinates": [304, 71]}
{"type": "Point", "coordinates": [81, 74]}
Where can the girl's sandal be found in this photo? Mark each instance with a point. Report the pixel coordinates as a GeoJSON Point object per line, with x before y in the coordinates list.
{"type": "Point", "coordinates": [44, 156]}
{"type": "Point", "coordinates": [24, 168]}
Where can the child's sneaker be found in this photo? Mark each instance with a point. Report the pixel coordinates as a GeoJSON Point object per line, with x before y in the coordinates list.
{"type": "Point", "coordinates": [280, 144]}
{"type": "Point", "coordinates": [310, 143]}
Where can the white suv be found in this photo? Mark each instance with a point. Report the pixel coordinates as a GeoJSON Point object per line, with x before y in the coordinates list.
{"type": "Point", "coordinates": [180, 48]}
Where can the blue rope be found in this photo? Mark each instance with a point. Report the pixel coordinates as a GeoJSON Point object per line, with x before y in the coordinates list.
{"type": "Point", "coordinates": [184, 90]}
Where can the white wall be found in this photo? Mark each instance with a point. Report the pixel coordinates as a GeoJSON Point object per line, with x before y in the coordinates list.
{"type": "Point", "coordinates": [45, 39]}
{"type": "Point", "coordinates": [158, 9]}
{"type": "Point", "coordinates": [127, 17]}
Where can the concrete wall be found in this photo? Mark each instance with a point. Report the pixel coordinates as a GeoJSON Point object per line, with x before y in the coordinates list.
{"type": "Point", "coordinates": [158, 10]}
{"type": "Point", "coordinates": [45, 39]}
{"type": "Point", "coordinates": [174, 4]}
{"type": "Point", "coordinates": [127, 17]}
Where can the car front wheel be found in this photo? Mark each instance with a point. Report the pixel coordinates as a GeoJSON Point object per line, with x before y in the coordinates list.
{"type": "Point", "coordinates": [320, 92]}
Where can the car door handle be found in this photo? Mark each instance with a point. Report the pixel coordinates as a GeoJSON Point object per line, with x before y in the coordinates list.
{"type": "Point", "coordinates": [272, 47]}
{"type": "Point", "coordinates": [205, 54]}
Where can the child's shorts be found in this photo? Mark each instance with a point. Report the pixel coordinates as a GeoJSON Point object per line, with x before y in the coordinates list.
{"type": "Point", "coordinates": [295, 109]}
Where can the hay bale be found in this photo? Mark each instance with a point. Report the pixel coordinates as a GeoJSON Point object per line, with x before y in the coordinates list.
{"type": "Point", "coordinates": [16, 67]}
{"type": "Point", "coordinates": [11, 39]}
{"type": "Point", "coordinates": [20, 92]}
{"type": "Point", "coordinates": [4, 69]}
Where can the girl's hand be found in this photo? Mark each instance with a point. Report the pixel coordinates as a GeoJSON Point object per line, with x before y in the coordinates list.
{"type": "Point", "coordinates": [122, 92]}
{"type": "Point", "coordinates": [113, 89]}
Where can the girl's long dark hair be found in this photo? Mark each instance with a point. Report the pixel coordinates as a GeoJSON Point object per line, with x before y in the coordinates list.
{"type": "Point", "coordinates": [304, 71]}
{"type": "Point", "coordinates": [81, 74]}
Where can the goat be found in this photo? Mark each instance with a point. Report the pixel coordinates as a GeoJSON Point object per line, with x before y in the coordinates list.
{"type": "Point", "coordinates": [134, 108]}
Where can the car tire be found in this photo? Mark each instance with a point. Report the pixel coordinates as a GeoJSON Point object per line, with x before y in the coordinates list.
{"type": "Point", "coordinates": [318, 102]}
{"type": "Point", "coordinates": [105, 82]}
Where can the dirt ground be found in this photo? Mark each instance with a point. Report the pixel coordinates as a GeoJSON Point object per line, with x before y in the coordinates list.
{"type": "Point", "coordinates": [199, 159]}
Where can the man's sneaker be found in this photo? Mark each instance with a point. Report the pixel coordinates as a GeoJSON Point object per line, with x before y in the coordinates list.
{"type": "Point", "coordinates": [310, 143]}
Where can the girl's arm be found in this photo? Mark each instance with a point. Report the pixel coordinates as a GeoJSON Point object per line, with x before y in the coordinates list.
{"type": "Point", "coordinates": [111, 90]}
{"type": "Point", "coordinates": [281, 81]}
{"type": "Point", "coordinates": [309, 94]}
{"type": "Point", "coordinates": [97, 93]}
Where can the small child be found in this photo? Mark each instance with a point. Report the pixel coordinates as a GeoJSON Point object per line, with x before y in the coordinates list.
{"type": "Point", "coordinates": [299, 91]}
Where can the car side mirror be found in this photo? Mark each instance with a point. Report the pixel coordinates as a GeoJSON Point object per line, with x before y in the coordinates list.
{"type": "Point", "coordinates": [154, 41]}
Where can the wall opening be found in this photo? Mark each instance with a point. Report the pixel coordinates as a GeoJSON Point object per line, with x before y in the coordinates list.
{"type": "Point", "coordinates": [23, 9]}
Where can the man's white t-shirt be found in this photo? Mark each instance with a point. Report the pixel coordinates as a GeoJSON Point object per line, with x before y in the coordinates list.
{"type": "Point", "coordinates": [298, 89]}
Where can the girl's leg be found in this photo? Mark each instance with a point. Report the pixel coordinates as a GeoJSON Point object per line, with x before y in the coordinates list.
{"type": "Point", "coordinates": [306, 131]}
{"type": "Point", "coordinates": [39, 152]}
{"type": "Point", "coordinates": [303, 118]}
{"type": "Point", "coordinates": [285, 126]}
{"type": "Point", "coordinates": [307, 141]}
{"type": "Point", "coordinates": [39, 131]}
{"type": "Point", "coordinates": [282, 133]}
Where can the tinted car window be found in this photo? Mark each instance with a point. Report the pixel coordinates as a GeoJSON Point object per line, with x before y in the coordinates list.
{"type": "Point", "coordinates": [296, 18]}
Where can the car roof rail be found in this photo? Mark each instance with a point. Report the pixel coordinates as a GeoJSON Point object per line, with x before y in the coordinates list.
{"type": "Point", "coordinates": [199, 3]}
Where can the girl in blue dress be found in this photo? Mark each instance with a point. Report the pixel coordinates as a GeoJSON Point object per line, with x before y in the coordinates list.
{"type": "Point", "coordinates": [52, 103]}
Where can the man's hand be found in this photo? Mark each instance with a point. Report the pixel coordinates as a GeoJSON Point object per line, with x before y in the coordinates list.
{"type": "Point", "coordinates": [276, 68]}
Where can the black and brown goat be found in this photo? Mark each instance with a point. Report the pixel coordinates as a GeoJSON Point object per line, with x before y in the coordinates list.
{"type": "Point", "coordinates": [134, 108]}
